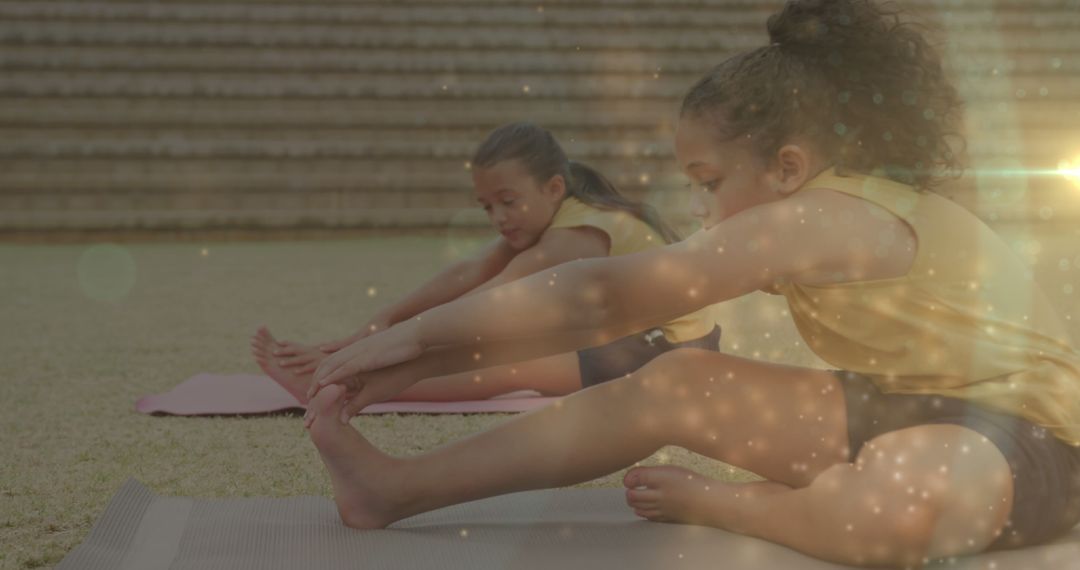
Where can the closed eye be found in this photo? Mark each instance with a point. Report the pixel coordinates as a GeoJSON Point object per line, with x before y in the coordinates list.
{"type": "Point", "coordinates": [709, 186]}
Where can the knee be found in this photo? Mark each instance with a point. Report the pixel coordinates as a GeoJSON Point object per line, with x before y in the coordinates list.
{"type": "Point", "coordinates": [937, 491]}
{"type": "Point", "coordinates": [679, 373]}
{"type": "Point", "coordinates": [875, 524]}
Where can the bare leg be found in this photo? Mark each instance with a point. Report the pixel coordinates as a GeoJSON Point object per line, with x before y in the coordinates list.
{"type": "Point", "coordinates": [785, 423]}
{"type": "Point", "coordinates": [551, 376]}
{"type": "Point", "coordinates": [920, 493]}
{"type": "Point", "coordinates": [913, 494]}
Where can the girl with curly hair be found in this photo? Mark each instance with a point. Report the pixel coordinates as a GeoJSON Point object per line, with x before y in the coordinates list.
{"type": "Point", "coordinates": [951, 422]}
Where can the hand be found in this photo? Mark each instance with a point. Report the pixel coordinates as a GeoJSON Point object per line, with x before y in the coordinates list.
{"type": "Point", "coordinates": [356, 366]}
{"type": "Point", "coordinates": [376, 324]}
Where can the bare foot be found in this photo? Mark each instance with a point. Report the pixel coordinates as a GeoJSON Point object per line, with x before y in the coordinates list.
{"type": "Point", "coordinates": [263, 345]}
{"type": "Point", "coordinates": [367, 482]}
{"type": "Point", "coordinates": [675, 494]}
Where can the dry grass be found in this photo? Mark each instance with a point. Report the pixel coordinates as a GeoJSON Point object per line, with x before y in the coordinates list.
{"type": "Point", "coordinates": [79, 347]}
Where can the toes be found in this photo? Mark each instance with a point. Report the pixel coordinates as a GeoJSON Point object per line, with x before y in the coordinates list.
{"type": "Point", "coordinates": [643, 506]}
{"type": "Point", "coordinates": [635, 496]}
{"type": "Point", "coordinates": [653, 477]}
{"type": "Point", "coordinates": [651, 514]}
{"type": "Point", "coordinates": [641, 477]}
{"type": "Point", "coordinates": [264, 334]}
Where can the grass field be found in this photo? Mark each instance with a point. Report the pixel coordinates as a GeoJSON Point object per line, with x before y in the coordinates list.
{"type": "Point", "coordinates": [87, 328]}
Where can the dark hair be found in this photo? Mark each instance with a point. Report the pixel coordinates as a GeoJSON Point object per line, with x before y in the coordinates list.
{"type": "Point", "coordinates": [544, 158]}
{"type": "Point", "coordinates": [863, 86]}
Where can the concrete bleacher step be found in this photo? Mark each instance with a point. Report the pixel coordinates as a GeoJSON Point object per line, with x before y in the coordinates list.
{"type": "Point", "coordinates": [432, 36]}
{"type": "Point", "coordinates": [106, 58]}
{"type": "Point", "coordinates": [390, 144]}
{"type": "Point", "coordinates": [422, 86]}
{"type": "Point", "coordinates": [477, 115]}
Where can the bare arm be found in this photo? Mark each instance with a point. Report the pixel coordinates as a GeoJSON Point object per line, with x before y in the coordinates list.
{"type": "Point", "coordinates": [615, 296]}
{"type": "Point", "coordinates": [590, 301]}
{"type": "Point", "coordinates": [496, 265]}
{"type": "Point", "coordinates": [555, 247]}
{"type": "Point", "coordinates": [452, 282]}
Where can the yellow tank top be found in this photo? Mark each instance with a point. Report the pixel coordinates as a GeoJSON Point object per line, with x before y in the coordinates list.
{"type": "Point", "coordinates": [967, 321]}
{"type": "Point", "coordinates": [628, 234]}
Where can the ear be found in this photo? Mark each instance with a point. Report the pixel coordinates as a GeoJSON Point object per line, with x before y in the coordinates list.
{"type": "Point", "coordinates": [792, 169]}
{"type": "Point", "coordinates": [556, 188]}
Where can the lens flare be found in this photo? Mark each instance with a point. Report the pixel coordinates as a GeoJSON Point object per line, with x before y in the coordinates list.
{"type": "Point", "coordinates": [1070, 169]}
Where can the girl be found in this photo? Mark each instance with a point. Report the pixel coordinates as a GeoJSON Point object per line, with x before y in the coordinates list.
{"type": "Point", "coordinates": [547, 210]}
{"type": "Point", "coordinates": [954, 423]}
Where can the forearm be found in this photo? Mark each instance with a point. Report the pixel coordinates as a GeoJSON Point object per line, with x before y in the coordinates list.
{"type": "Point", "coordinates": [448, 285]}
{"type": "Point", "coordinates": [453, 359]}
{"type": "Point", "coordinates": [603, 297]}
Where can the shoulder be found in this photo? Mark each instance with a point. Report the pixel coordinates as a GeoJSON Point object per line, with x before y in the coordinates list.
{"type": "Point", "coordinates": [591, 223]}
{"type": "Point", "coordinates": [850, 237]}
{"type": "Point", "coordinates": [571, 212]}
{"type": "Point", "coordinates": [820, 235]}
{"type": "Point", "coordinates": [570, 243]}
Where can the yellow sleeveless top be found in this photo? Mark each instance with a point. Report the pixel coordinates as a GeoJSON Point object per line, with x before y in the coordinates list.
{"type": "Point", "coordinates": [628, 234]}
{"type": "Point", "coordinates": [967, 321]}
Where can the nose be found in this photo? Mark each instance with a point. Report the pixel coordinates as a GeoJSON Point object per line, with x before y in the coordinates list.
{"type": "Point", "coordinates": [698, 208]}
{"type": "Point", "coordinates": [498, 216]}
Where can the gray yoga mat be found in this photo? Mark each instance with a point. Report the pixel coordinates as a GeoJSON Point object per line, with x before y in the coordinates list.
{"type": "Point", "coordinates": [568, 528]}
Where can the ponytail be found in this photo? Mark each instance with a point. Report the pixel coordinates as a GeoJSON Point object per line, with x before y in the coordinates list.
{"type": "Point", "coordinates": [543, 158]}
{"type": "Point", "coordinates": [592, 188]}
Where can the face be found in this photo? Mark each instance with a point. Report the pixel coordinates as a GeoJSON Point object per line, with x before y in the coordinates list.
{"type": "Point", "coordinates": [518, 206]}
{"type": "Point", "coordinates": [727, 176]}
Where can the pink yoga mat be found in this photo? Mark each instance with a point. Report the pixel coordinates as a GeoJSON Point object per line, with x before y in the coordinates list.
{"type": "Point", "coordinates": [233, 394]}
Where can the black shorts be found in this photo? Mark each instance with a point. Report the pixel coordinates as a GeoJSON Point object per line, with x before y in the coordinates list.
{"type": "Point", "coordinates": [1045, 470]}
{"type": "Point", "coordinates": [625, 355]}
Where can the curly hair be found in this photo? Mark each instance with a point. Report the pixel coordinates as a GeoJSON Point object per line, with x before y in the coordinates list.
{"type": "Point", "coordinates": [866, 88]}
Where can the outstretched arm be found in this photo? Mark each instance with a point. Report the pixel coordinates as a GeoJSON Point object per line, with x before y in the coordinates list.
{"type": "Point", "coordinates": [495, 265]}
{"type": "Point", "coordinates": [452, 282]}
{"type": "Point", "coordinates": [590, 301]}
{"type": "Point", "coordinates": [555, 247]}
{"type": "Point", "coordinates": [599, 299]}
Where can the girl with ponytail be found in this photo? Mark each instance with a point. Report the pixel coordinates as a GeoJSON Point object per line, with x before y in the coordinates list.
{"type": "Point", "coordinates": [949, 421]}
{"type": "Point", "coordinates": [547, 210]}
